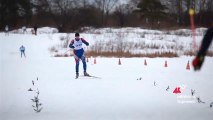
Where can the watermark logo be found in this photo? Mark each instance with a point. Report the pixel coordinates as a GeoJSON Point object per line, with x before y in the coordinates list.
{"type": "Point", "coordinates": [181, 98]}
{"type": "Point", "coordinates": [186, 99]}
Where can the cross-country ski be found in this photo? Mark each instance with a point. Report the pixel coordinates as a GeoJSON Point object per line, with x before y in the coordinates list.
{"type": "Point", "coordinates": [88, 77]}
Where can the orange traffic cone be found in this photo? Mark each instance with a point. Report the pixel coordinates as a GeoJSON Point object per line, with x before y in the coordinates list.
{"type": "Point", "coordinates": [95, 61]}
{"type": "Point", "coordinates": [165, 65]}
{"type": "Point", "coordinates": [145, 62]}
{"type": "Point", "coordinates": [188, 66]}
{"type": "Point", "coordinates": [119, 62]}
{"type": "Point", "coordinates": [177, 90]}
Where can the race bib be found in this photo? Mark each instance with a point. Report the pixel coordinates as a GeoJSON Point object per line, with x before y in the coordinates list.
{"type": "Point", "coordinates": [78, 44]}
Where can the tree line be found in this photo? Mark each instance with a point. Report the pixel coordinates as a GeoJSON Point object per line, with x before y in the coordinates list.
{"type": "Point", "coordinates": [71, 15]}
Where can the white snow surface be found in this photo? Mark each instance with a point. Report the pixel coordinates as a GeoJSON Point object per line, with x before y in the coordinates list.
{"type": "Point", "coordinates": [124, 92]}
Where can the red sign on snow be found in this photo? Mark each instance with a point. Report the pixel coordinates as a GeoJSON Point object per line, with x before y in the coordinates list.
{"type": "Point", "coordinates": [177, 90]}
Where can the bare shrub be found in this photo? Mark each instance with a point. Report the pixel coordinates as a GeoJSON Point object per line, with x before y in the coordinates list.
{"type": "Point", "coordinates": [129, 54]}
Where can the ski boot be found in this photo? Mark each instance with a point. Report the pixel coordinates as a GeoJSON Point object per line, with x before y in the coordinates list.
{"type": "Point", "coordinates": [86, 74]}
{"type": "Point", "coordinates": [77, 75]}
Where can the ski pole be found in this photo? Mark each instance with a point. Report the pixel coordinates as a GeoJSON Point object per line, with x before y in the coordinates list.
{"type": "Point", "coordinates": [191, 13]}
{"type": "Point", "coordinates": [66, 51]}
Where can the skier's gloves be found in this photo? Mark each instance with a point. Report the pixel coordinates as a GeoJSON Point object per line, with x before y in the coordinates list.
{"type": "Point", "coordinates": [71, 46]}
{"type": "Point", "coordinates": [197, 62]}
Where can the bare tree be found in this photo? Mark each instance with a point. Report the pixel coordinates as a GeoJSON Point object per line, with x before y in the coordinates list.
{"type": "Point", "coordinates": [121, 13]}
{"type": "Point", "coordinates": [106, 6]}
{"type": "Point", "coordinates": [84, 3]}
{"type": "Point", "coordinates": [73, 14]}
{"type": "Point", "coordinates": [203, 10]}
{"type": "Point", "coordinates": [64, 13]}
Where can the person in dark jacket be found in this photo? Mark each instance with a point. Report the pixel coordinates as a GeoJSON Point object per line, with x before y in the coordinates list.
{"type": "Point", "coordinates": [207, 39]}
{"type": "Point", "coordinates": [35, 29]}
{"type": "Point", "coordinates": [77, 46]}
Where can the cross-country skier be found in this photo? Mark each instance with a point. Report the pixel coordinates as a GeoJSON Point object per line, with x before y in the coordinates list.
{"type": "Point", "coordinates": [207, 39]}
{"type": "Point", "coordinates": [77, 46]}
{"type": "Point", "coordinates": [22, 50]}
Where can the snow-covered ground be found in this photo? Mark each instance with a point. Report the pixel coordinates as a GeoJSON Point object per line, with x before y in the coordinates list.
{"type": "Point", "coordinates": [130, 91]}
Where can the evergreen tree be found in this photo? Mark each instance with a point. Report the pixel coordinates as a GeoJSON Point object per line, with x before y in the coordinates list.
{"type": "Point", "coordinates": [153, 10]}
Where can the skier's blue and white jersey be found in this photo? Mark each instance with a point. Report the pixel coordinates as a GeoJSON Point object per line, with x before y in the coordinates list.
{"type": "Point", "coordinates": [22, 48]}
{"type": "Point", "coordinates": [77, 45]}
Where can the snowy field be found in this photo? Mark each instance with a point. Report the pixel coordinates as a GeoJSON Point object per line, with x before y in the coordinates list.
{"type": "Point", "coordinates": [130, 91]}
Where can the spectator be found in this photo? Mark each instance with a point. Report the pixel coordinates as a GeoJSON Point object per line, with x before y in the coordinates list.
{"type": "Point", "coordinates": [35, 29]}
